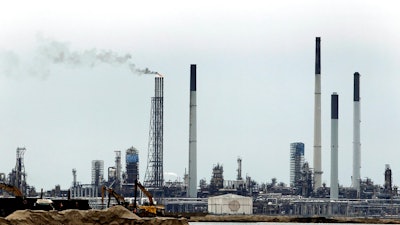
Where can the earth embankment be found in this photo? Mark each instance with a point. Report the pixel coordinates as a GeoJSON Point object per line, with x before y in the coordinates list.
{"type": "Point", "coordinates": [113, 216]}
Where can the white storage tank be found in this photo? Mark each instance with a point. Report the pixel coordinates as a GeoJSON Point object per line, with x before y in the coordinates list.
{"type": "Point", "coordinates": [230, 204]}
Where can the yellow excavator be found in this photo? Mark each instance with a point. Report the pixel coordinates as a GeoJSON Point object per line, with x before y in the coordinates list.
{"type": "Point", "coordinates": [120, 199]}
{"type": "Point", "coordinates": [9, 205]}
{"type": "Point", "coordinates": [11, 189]}
{"type": "Point", "coordinates": [150, 209]}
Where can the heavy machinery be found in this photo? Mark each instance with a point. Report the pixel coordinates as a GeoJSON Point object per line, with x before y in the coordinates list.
{"type": "Point", "coordinates": [120, 199]}
{"type": "Point", "coordinates": [9, 205]}
{"type": "Point", "coordinates": [149, 209]}
{"type": "Point", "coordinates": [11, 189]}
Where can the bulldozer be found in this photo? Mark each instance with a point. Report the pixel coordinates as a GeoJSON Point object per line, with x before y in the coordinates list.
{"type": "Point", "coordinates": [147, 210]}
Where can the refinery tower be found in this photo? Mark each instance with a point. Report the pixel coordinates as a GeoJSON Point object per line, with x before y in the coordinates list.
{"type": "Point", "coordinates": [296, 162]}
{"type": "Point", "coordinates": [132, 165]}
{"type": "Point", "coordinates": [154, 177]}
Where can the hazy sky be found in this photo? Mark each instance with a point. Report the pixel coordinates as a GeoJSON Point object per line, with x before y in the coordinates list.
{"type": "Point", "coordinates": [255, 83]}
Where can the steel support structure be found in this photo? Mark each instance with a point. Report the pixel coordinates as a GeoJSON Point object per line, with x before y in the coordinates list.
{"type": "Point", "coordinates": [154, 177]}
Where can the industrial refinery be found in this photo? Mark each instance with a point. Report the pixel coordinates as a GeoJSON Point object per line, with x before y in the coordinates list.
{"type": "Point", "coordinates": [305, 195]}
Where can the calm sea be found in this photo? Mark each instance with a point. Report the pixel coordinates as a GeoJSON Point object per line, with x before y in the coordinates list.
{"type": "Point", "coordinates": [262, 223]}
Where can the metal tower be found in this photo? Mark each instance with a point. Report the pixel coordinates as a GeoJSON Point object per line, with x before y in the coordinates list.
{"type": "Point", "coordinates": [296, 162]}
{"type": "Point", "coordinates": [388, 179]}
{"type": "Point", "coordinates": [74, 183]}
{"type": "Point", "coordinates": [118, 169]}
{"type": "Point", "coordinates": [154, 176]}
{"type": "Point", "coordinates": [239, 169]}
{"type": "Point", "coordinates": [132, 165]}
{"type": "Point", "coordinates": [97, 172]}
{"type": "Point", "coordinates": [19, 178]}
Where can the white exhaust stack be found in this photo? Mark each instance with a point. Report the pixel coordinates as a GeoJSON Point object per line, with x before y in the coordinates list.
{"type": "Point", "coordinates": [334, 145]}
{"type": "Point", "coordinates": [192, 190]}
{"type": "Point", "coordinates": [317, 118]}
{"type": "Point", "coordinates": [356, 135]}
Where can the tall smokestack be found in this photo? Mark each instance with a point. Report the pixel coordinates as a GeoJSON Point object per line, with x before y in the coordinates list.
{"type": "Point", "coordinates": [317, 117]}
{"type": "Point", "coordinates": [192, 191]}
{"type": "Point", "coordinates": [356, 135]}
{"type": "Point", "coordinates": [334, 145]}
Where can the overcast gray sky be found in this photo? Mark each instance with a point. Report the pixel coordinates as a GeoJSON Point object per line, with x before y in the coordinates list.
{"type": "Point", "coordinates": [255, 82]}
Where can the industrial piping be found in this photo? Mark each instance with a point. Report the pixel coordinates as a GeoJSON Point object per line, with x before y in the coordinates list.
{"type": "Point", "coordinates": [192, 191]}
{"type": "Point", "coordinates": [334, 146]}
{"type": "Point", "coordinates": [317, 117]}
{"type": "Point", "coordinates": [356, 135]}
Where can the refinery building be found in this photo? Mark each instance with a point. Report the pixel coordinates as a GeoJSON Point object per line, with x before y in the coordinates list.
{"type": "Point", "coordinates": [305, 195]}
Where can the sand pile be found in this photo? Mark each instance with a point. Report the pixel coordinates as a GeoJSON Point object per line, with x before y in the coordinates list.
{"type": "Point", "coordinates": [113, 216]}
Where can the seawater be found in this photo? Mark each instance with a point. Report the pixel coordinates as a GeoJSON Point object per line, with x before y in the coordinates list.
{"type": "Point", "coordinates": [265, 223]}
{"type": "Point", "coordinates": [232, 223]}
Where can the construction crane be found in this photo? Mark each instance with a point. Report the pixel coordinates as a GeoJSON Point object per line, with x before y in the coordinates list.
{"type": "Point", "coordinates": [147, 210]}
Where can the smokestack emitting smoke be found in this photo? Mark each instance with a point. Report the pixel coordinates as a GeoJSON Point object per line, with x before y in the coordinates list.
{"type": "Point", "coordinates": [356, 135]}
{"type": "Point", "coordinates": [192, 192]}
{"type": "Point", "coordinates": [49, 52]}
{"type": "Point", "coordinates": [317, 117]}
{"type": "Point", "coordinates": [334, 146]}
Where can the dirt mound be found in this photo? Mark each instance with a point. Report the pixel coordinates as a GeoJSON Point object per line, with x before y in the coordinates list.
{"type": "Point", "coordinates": [3, 221]}
{"type": "Point", "coordinates": [114, 215]}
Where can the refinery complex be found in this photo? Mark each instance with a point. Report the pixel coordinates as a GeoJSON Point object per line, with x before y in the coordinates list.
{"type": "Point", "coordinates": [305, 195]}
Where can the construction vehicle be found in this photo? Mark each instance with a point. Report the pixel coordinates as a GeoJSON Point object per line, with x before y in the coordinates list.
{"type": "Point", "coordinates": [9, 205]}
{"type": "Point", "coordinates": [11, 189]}
{"type": "Point", "coordinates": [120, 199]}
{"type": "Point", "coordinates": [149, 209]}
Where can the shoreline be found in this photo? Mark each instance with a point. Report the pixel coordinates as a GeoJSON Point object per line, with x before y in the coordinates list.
{"type": "Point", "coordinates": [290, 219]}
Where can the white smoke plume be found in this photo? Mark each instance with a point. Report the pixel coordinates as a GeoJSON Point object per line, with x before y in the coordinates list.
{"type": "Point", "coordinates": [50, 52]}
